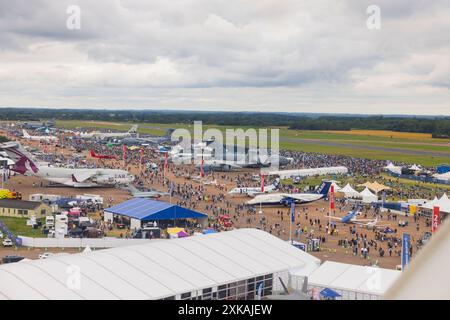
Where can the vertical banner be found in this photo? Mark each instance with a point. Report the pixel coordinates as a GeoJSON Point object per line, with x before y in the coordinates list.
{"type": "Point", "coordinates": [406, 242]}
{"type": "Point", "coordinates": [293, 211]}
{"type": "Point", "coordinates": [332, 198]}
{"type": "Point", "coordinates": [166, 160]}
{"type": "Point", "coordinates": [262, 183]}
{"type": "Point", "coordinates": [142, 156]}
{"type": "Point", "coordinates": [436, 219]}
{"type": "Point", "coordinates": [202, 168]}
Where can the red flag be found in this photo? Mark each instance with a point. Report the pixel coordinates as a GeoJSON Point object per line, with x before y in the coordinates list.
{"type": "Point", "coordinates": [332, 198]}
{"type": "Point", "coordinates": [436, 219]}
{"type": "Point", "coordinates": [202, 169]}
{"type": "Point", "coordinates": [262, 183]}
{"type": "Point", "coordinates": [124, 151]}
{"type": "Point", "coordinates": [166, 160]}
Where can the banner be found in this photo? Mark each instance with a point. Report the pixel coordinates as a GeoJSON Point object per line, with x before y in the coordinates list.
{"type": "Point", "coordinates": [166, 160]}
{"type": "Point", "coordinates": [406, 242]}
{"type": "Point", "coordinates": [293, 211]}
{"type": "Point", "coordinates": [142, 156]}
{"type": "Point", "coordinates": [436, 219]}
{"type": "Point", "coordinates": [202, 169]}
{"type": "Point", "coordinates": [332, 198]}
{"type": "Point", "coordinates": [262, 183]}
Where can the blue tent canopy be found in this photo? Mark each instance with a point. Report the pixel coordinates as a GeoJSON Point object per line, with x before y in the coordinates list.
{"type": "Point", "coordinates": [149, 210]}
{"type": "Point", "coordinates": [328, 293]}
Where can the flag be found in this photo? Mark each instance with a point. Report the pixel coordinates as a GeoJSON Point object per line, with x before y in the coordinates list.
{"type": "Point", "coordinates": [436, 219]}
{"type": "Point", "coordinates": [406, 240]}
{"type": "Point", "coordinates": [262, 183]}
{"type": "Point", "coordinates": [142, 156]}
{"type": "Point", "coordinates": [202, 169]}
{"type": "Point", "coordinates": [166, 160]}
{"type": "Point", "coordinates": [332, 198]}
{"type": "Point", "coordinates": [293, 211]}
{"type": "Point", "coordinates": [171, 188]}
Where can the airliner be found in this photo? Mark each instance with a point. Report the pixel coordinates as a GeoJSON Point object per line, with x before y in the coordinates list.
{"type": "Point", "coordinates": [27, 136]}
{"type": "Point", "coordinates": [77, 177]}
{"type": "Point", "coordinates": [277, 199]}
{"type": "Point", "coordinates": [110, 135]}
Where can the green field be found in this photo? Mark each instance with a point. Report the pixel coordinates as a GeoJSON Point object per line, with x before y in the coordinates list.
{"type": "Point", "coordinates": [19, 227]}
{"type": "Point", "coordinates": [394, 146]}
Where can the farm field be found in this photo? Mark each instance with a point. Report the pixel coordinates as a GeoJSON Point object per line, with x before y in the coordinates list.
{"type": "Point", "coordinates": [419, 148]}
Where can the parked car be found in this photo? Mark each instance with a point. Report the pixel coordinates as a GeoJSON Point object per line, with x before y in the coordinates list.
{"type": "Point", "coordinates": [7, 242]}
{"type": "Point", "coordinates": [12, 258]}
{"type": "Point", "coordinates": [46, 255]}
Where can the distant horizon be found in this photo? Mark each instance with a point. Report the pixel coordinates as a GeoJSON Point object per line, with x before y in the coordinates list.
{"type": "Point", "coordinates": [395, 115]}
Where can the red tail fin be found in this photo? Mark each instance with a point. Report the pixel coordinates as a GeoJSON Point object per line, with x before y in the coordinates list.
{"type": "Point", "coordinates": [92, 153]}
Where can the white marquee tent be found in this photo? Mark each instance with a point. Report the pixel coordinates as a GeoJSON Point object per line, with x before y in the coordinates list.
{"type": "Point", "coordinates": [157, 269]}
{"type": "Point", "coordinates": [444, 176]}
{"type": "Point", "coordinates": [368, 196]}
{"type": "Point", "coordinates": [349, 192]}
{"type": "Point", "coordinates": [443, 203]}
{"type": "Point", "coordinates": [353, 282]}
{"type": "Point", "coordinates": [287, 174]}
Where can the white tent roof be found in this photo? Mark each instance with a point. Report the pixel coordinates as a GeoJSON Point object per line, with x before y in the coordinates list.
{"type": "Point", "coordinates": [444, 176]}
{"type": "Point", "coordinates": [348, 277]}
{"type": "Point", "coordinates": [286, 174]}
{"type": "Point", "coordinates": [349, 191]}
{"type": "Point", "coordinates": [336, 186]}
{"type": "Point", "coordinates": [367, 193]}
{"type": "Point", "coordinates": [415, 167]}
{"type": "Point", "coordinates": [443, 203]}
{"type": "Point", "coordinates": [154, 270]}
{"type": "Point", "coordinates": [393, 168]}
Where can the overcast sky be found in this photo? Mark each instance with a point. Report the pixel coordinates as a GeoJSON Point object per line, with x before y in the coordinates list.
{"type": "Point", "coordinates": [232, 55]}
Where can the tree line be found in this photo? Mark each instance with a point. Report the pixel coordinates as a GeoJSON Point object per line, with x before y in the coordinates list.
{"type": "Point", "coordinates": [439, 127]}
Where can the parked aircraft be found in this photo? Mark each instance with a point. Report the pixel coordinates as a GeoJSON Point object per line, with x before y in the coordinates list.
{"type": "Point", "coordinates": [110, 135]}
{"type": "Point", "coordinates": [27, 136]}
{"type": "Point", "coordinates": [70, 177]}
{"type": "Point", "coordinates": [277, 199]}
{"type": "Point", "coordinates": [253, 191]}
{"type": "Point", "coordinates": [350, 217]}
{"type": "Point", "coordinates": [100, 156]}
{"type": "Point", "coordinates": [136, 193]}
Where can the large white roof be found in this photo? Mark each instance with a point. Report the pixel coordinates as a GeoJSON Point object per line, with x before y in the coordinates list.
{"type": "Point", "coordinates": [154, 270]}
{"type": "Point", "coordinates": [348, 277]}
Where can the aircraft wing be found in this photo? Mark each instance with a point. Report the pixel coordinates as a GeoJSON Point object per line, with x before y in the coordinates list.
{"type": "Point", "coordinates": [362, 220]}
{"type": "Point", "coordinates": [266, 198]}
{"type": "Point", "coordinates": [81, 176]}
{"type": "Point", "coordinates": [333, 218]}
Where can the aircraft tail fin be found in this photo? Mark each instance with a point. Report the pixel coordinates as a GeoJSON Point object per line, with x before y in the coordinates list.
{"type": "Point", "coordinates": [25, 134]}
{"type": "Point", "coordinates": [276, 183]}
{"type": "Point", "coordinates": [133, 129]}
{"type": "Point", "coordinates": [92, 153]}
{"type": "Point", "coordinates": [23, 160]}
{"type": "Point", "coordinates": [324, 188]}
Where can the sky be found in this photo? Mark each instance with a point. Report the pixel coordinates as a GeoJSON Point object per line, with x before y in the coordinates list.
{"type": "Point", "coordinates": [234, 55]}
